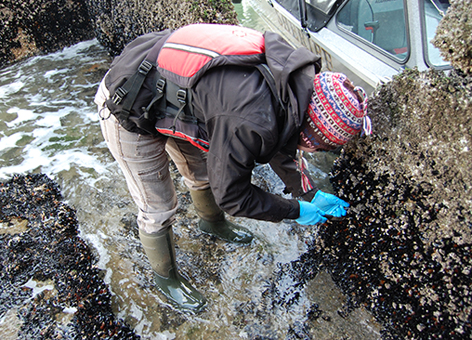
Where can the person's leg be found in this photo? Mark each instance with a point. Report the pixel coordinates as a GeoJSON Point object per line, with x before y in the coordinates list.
{"type": "Point", "coordinates": [144, 163]}
{"type": "Point", "coordinates": [191, 163]}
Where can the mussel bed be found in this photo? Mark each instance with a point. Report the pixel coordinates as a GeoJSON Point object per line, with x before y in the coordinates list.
{"type": "Point", "coordinates": [75, 302]}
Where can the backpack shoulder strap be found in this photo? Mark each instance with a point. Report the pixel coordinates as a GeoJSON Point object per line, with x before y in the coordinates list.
{"type": "Point", "coordinates": [127, 93]}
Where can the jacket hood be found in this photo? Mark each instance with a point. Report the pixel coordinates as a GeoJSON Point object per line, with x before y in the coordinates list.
{"type": "Point", "coordinates": [294, 71]}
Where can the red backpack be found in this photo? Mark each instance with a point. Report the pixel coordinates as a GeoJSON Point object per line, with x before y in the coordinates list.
{"type": "Point", "coordinates": [154, 96]}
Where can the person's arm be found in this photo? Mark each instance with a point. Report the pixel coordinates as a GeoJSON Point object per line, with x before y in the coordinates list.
{"type": "Point", "coordinates": [237, 109]}
{"type": "Point", "coordinates": [230, 166]}
{"type": "Point", "coordinates": [231, 159]}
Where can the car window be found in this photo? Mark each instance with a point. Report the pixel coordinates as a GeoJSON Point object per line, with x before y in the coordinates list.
{"type": "Point", "coordinates": [316, 13]}
{"type": "Point", "coordinates": [433, 12]}
{"type": "Point", "coordinates": [323, 5]}
{"type": "Point", "coordinates": [381, 22]}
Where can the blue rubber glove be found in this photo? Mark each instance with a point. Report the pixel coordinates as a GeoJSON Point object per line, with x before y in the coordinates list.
{"type": "Point", "coordinates": [310, 214]}
{"type": "Point", "coordinates": [330, 204]}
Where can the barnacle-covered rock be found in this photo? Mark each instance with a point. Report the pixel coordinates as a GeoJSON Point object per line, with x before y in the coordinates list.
{"type": "Point", "coordinates": [404, 250]}
{"type": "Point", "coordinates": [117, 22]}
{"type": "Point", "coordinates": [454, 35]}
{"type": "Point", "coordinates": [33, 27]}
{"type": "Point", "coordinates": [423, 135]}
{"type": "Point", "coordinates": [408, 237]}
{"type": "Point", "coordinates": [30, 28]}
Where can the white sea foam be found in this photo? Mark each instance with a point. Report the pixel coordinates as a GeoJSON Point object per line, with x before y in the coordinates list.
{"type": "Point", "coordinates": [51, 73]}
{"type": "Point", "coordinates": [10, 141]}
{"type": "Point", "coordinates": [97, 241]}
{"type": "Point", "coordinates": [37, 288]}
{"type": "Point", "coordinates": [47, 102]}
{"type": "Point", "coordinates": [22, 116]}
{"type": "Point", "coordinates": [79, 158]}
{"type": "Point", "coordinates": [67, 53]}
{"type": "Point", "coordinates": [10, 89]}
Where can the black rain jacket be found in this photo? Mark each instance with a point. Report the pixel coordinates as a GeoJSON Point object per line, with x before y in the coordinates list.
{"type": "Point", "coordinates": [244, 128]}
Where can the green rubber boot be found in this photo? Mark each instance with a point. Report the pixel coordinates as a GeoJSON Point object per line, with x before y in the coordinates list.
{"type": "Point", "coordinates": [159, 248]}
{"type": "Point", "coordinates": [213, 221]}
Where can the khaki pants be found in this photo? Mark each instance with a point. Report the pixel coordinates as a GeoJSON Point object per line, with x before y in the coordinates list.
{"type": "Point", "coordinates": [145, 165]}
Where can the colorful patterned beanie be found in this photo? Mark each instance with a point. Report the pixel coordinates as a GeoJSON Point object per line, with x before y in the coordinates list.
{"type": "Point", "coordinates": [336, 113]}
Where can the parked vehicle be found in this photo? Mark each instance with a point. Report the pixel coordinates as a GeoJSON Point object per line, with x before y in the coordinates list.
{"type": "Point", "coordinates": [368, 40]}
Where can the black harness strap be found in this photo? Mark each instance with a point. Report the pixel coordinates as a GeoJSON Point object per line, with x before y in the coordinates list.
{"type": "Point", "coordinates": [128, 92]}
{"type": "Point", "coordinates": [160, 87]}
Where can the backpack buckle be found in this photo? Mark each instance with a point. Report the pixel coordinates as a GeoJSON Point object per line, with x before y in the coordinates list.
{"type": "Point", "coordinates": [182, 96]}
{"type": "Point", "coordinates": [145, 67]}
{"type": "Point", "coordinates": [161, 83]}
{"type": "Point", "coordinates": [119, 95]}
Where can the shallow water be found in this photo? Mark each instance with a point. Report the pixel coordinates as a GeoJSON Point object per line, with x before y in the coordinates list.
{"type": "Point", "coordinates": [49, 124]}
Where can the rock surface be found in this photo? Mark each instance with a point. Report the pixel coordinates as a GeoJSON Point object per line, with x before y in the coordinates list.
{"type": "Point", "coordinates": [404, 250]}
{"type": "Point", "coordinates": [50, 287]}
{"type": "Point", "coordinates": [32, 27]}
{"type": "Point", "coordinates": [454, 35]}
{"type": "Point", "coordinates": [118, 22]}
{"type": "Point", "coordinates": [424, 135]}
{"type": "Point", "coordinates": [41, 26]}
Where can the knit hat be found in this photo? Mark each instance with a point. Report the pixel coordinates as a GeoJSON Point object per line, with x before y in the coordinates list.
{"type": "Point", "coordinates": [336, 113]}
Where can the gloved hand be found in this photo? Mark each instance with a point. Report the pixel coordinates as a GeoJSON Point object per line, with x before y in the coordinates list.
{"type": "Point", "coordinates": [310, 214]}
{"type": "Point", "coordinates": [330, 204]}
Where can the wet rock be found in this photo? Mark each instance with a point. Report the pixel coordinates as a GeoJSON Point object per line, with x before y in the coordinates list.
{"type": "Point", "coordinates": [30, 28]}
{"type": "Point", "coordinates": [34, 27]}
{"type": "Point", "coordinates": [404, 249]}
{"type": "Point", "coordinates": [118, 22]}
{"type": "Point", "coordinates": [453, 35]}
{"type": "Point", "coordinates": [51, 288]}
{"type": "Point", "coordinates": [423, 140]}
